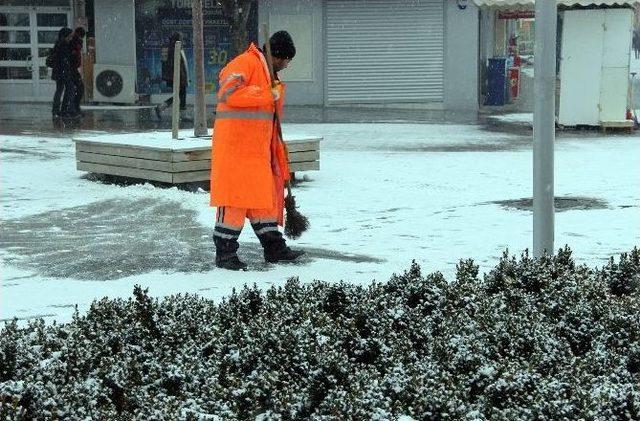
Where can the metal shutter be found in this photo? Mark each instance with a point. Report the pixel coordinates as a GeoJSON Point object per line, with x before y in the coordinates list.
{"type": "Point", "coordinates": [385, 51]}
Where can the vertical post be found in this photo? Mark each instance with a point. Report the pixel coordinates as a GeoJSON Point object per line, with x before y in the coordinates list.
{"type": "Point", "coordinates": [79, 13]}
{"type": "Point", "coordinates": [177, 59]}
{"type": "Point", "coordinates": [544, 127]}
{"type": "Point", "coordinates": [200, 119]}
{"type": "Point", "coordinates": [80, 20]}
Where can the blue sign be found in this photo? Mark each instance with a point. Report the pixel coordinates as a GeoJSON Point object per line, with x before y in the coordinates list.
{"type": "Point", "coordinates": [157, 20]}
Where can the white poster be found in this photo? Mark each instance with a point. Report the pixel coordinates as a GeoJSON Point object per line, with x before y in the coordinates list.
{"type": "Point", "coordinates": [301, 29]}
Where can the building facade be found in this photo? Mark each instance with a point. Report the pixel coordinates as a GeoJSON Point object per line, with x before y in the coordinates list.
{"type": "Point", "coordinates": [28, 29]}
{"type": "Point", "coordinates": [395, 53]}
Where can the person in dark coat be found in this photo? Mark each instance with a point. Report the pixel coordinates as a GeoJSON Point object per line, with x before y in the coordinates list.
{"type": "Point", "coordinates": [76, 47]}
{"type": "Point", "coordinates": [636, 43]}
{"type": "Point", "coordinates": [167, 76]}
{"type": "Point", "coordinates": [62, 65]}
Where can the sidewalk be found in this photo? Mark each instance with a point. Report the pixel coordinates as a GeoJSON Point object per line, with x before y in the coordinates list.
{"type": "Point", "coordinates": [35, 118]}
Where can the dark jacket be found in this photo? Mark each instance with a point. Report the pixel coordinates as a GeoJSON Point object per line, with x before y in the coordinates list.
{"type": "Point", "coordinates": [167, 67]}
{"type": "Point", "coordinates": [63, 61]}
{"type": "Point", "coordinates": [76, 48]}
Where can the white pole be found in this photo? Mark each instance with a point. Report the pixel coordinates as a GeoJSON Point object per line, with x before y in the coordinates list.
{"type": "Point", "coordinates": [177, 58]}
{"type": "Point", "coordinates": [544, 126]}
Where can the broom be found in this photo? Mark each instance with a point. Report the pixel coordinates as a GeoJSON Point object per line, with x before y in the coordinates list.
{"type": "Point", "coordinates": [295, 223]}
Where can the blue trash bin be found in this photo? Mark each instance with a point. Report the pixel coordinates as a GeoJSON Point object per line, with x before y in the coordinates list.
{"type": "Point", "coordinates": [497, 82]}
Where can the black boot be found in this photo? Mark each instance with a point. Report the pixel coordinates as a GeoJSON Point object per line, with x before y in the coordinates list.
{"type": "Point", "coordinates": [160, 108]}
{"type": "Point", "coordinates": [226, 254]}
{"type": "Point", "coordinates": [275, 248]}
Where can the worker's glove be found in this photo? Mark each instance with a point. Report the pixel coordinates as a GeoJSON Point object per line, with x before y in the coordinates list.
{"type": "Point", "coordinates": [276, 90]}
{"type": "Point", "coordinates": [276, 93]}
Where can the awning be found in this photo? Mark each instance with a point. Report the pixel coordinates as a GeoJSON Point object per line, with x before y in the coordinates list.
{"type": "Point", "coordinates": [506, 4]}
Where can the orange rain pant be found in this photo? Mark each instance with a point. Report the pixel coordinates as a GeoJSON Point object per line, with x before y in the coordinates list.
{"type": "Point", "coordinates": [230, 220]}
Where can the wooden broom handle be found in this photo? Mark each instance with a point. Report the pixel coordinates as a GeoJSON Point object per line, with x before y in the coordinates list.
{"type": "Point", "coordinates": [267, 53]}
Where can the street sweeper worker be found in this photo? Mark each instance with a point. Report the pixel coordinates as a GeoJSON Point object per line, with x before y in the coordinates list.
{"type": "Point", "coordinates": [248, 163]}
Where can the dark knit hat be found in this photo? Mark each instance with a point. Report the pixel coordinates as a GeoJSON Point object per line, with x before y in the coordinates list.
{"type": "Point", "coordinates": [64, 32]}
{"type": "Point", "coordinates": [282, 45]}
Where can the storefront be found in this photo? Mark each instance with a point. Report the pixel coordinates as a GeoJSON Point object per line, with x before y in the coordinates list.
{"type": "Point", "coordinates": [419, 53]}
{"type": "Point", "coordinates": [396, 53]}
{"type": "Point", "coordinates": [385, 51]}
{"type": "Point", "coordinates": [28, 29]}
{"type": "Point", "coordinates": [593, 51]}
{"type": "Point", "coordinates": [157, 20]}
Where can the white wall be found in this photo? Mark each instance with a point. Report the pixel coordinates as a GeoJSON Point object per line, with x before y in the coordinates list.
{"type": "Point", "coordinates": [461, 50]}
{"type": "Point", "coordinates": [461, 57]}
{"type": "Point", "coordinates": [304, 20]}
{"type": "Point", "coordinates": [115, 32]}
{"type": "Point", "coordinates": [487, 34]}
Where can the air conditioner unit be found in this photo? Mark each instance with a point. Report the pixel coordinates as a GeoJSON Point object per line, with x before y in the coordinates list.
{"type": "Point", "coordinates": [115, 84]}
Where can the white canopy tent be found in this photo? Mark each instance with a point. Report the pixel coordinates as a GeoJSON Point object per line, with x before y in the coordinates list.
{"type": "Point", "coordinates": [529, 4]}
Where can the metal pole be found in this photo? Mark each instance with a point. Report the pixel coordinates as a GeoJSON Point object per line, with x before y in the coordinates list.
{"type": "Point", "coordinates": [79, 13]}
{"type": "Point", "coordinates": [175, 109]}
{"type": "Point", "coordinates": [544, 126]}
{"type": "Point", "coordinates": [200, 122]}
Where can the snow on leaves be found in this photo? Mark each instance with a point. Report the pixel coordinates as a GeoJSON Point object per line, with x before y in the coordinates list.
{"type": "Point", "coordinates": [533, 339]}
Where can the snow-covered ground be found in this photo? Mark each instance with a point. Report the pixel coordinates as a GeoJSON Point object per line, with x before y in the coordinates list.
{"type": "Point", "coordinates": [386, 194]}
{"type": "Point", "coordinates": [634, 64]}
{"type": "Point", "coordinates": [525, 119]}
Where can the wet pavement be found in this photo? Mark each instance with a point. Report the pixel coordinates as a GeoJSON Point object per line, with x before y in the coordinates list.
{"type": "Point", "coordinates": [561, 204]}
{"type": "Point", "coordinates": [84, 242]}
{"type": "Point", "coordinates": [35, 118]}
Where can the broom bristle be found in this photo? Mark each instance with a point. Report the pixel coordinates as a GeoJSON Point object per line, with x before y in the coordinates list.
{"type": "Point", "coordinates": [295, 223]}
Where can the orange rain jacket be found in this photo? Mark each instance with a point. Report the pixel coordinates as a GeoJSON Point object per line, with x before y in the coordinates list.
{"type": "Point", "coordinates": [249, 164]}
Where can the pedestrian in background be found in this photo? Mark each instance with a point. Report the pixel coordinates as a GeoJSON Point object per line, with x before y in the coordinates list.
{"type": "Point", "coordinates": [61, 62]}
{"type": "Point", "coordinates": [77, 47]}
{"type": "Point", "coordinates": [167, 76]}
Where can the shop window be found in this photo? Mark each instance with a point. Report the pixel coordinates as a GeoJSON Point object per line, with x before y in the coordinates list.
{"type": "Point", "coordinates": [15, 37]}
{"type": "Point", "coordinates": [48, 3]}
{"type": "Point", "coordinates": [7, 73]}
{"type": "Point", "coordinates": [52, 19]}
{"type": "Point", "coordinates": [14, 19]}
{"type": "Point", "coordinates": [47, 37]}
{"type": "Point", "coordinates": [44, 73]}
{"type": "Point", "coordinates": [16, 54]}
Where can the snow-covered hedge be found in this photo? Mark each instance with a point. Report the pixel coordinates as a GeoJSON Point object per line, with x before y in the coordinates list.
{"type": "Point", "coordinates": [532, 339]}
